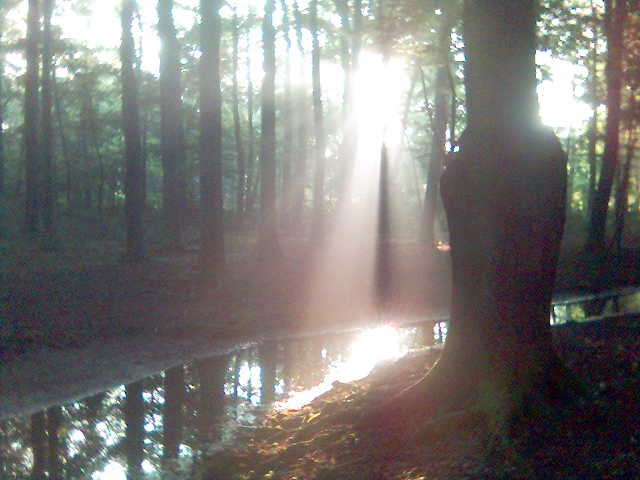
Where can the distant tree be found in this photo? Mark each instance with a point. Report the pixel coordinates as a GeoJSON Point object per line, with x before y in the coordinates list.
{"type": "Point", "coordinates": [48, 194]}
{"type": "Point", "coordinates": [241, 163]}
{"type": "Point", "coordinates": [135, 171]}
{"type": "Point", "coordinates": [211, 194]}
{"type": "Point", "coordinates": [38, 446]}
{"type": "Point", "coordinates": [172, 128]}
{"type": "Point", "coordinates": [615, 18]}
{"type": "Point", "coordinates": [287, 118]}
{"type": "Point", "coordinates": [31, 119]}
{"type": "Point", "coordinates": [134, 434]}
{"type": "Point", "coordinates": [3, 160]}
{"type": "Point", "coordinates": [318, 226]}
{"type": "Point", "coordinates": [268, 360]}
{"type": "Point", "coordinates": [438, 127]}
{"type": "Point", "coordinates": [268, 245]}
{"type": "Point", "coordinates": [504, 197]}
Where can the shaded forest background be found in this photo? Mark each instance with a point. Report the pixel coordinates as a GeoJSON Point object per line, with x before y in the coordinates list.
{"type": "Point", "coordinates": [246, 120]}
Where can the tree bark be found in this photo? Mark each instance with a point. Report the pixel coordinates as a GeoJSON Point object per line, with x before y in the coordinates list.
{"type": "Point", "coordinates": [318, 226]}
{"type": "Point", "coordinates": [38, 446]}
{"type": "Point", "coordinates": [134, 181]}
{"type": "Point", "coordinates": [268, 245]}
{"type": "Point", "coordinates": [173, 148]}
{"type": "Point", "coordinates": [211, 194]}
{"type": "Point", "coordinates": [504, 197]}
{"type": "Point", "coordinates": [622, 194]}
{"type": "Point", "coordinates": [134, 421]}
{"type": "Point", "coordinates": [615, 18]}
{"type": "Point", "coordinates": [31, 119]}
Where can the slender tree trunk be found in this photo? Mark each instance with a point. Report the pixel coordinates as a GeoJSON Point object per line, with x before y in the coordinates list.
{"type": "Point", "coordinates": [2, 150]}
{"type": "Point", "coordinates": [63, 139]}
{"type": "Point", "coordinates": [268, 245]}
{"type": "Point", "coordinates": [301, 137]}
{"type": "Point", "coordinates": [252, 173]}
{"type": "Point", "coordinates": [318, 227]}
{"type": "Point", "coordinates": [31, 118]}
{"type": "Point", "coordinates": [438, 133]}
{"type": "Point", "coordinates": [241, 185]}
{"type": "Point", "coordinates": [287, 116]}
{"type": "Point", "coordinates": [592, 133]}
{"type": "Point", "coordinates": [55, 453]}
{"type": "Point", "coordinates": [173, 148]}
{"type": "Point", "coordinates": [48, 198]}
{"type": "Point", "coordinates": [211, 194]}
{"type": "Point", "coordinates": [134, 181]}
{"type": "Point", "coordinates": [134, 421]}
{"type": "Point", "coordinates": [622, 194]}
{"type": "Point", "coordinates": [615, 13]}
{"type": "Point", "coordinates": [173, 419]}
{"type": "Point", "coordinates": [38, 446]}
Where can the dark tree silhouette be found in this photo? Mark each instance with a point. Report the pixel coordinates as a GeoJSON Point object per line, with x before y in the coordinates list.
{"type": "Point", "coordinates": [318, 130]}
{"type": "Point", "coordinates": [3, 160]}
{"type": "Point", "coordinates": [172, 129]}
{"type": "Point", "coordinates": [211, 374]}
{"type": "Point", "coordinates": [31, 118]}
{"type": "Point", "coordinates": [135, 171]}
{"type": "Point", "coordinates": [48, 196]}
{"type": "Point", "coordinates": [211, 195]}
{"type": "Point", "coordinates": [615, 18]}
{"type": "Point", "coordinates": [268, 245]}
{"type": "Point", "coordinates": [38, 446]}
{"type": "Point", "coordinates": [241, 161]}
{"type": "Point", "coordinates": [55, 451]}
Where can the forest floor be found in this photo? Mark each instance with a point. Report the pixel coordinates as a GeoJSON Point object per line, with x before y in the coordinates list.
{"type": "Point", "coordinates": [598, 439]}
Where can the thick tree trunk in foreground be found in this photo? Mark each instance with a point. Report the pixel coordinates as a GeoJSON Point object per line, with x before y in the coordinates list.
{"type": "Point", "coordinates": [615, 17]}
{"type": "Point", "coordinates": [504, 197]}
{"type": "Point", "coordinates": [134, 181]}
{"type": "Point", "coordinates": [55, 452]}
{"type": "Point", "coordinates": [268, 246]}
{"type": "Point", "coordinates": [172, 130]}
{"type": "Point", "coordinates": [211, 195]}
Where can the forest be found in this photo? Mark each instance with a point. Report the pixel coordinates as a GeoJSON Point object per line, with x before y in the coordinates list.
{"type": "Point", "coordinates": [312, 239]}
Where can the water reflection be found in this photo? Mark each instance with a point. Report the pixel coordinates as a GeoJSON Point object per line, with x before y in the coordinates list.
{"type": "Point", "coordinates": [162, 427]}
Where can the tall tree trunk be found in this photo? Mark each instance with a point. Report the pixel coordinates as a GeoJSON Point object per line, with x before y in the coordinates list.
{"type": "Point", "coordinates": [173, 416]}
{"type": "Point", "coordinates": [54, 453]}
{"type": "Point", "coordinates": [592, 132]}
{"type": "Point", "coordinates": [48, 198]}
{"type": "Point", "coordinates": [268, 245]}
{"type": "Point", "coordinates": [615, 18]}
{"type": "Point", "coordinates": [438, 133]}
{"type": "Point", "coordinates": [300, 171]}
{"type": "Point", "coordinates": [2, 150]}
{"type": "Point", "coordinates": [134, 181]}
{"type": "Point", "coordinates": [31, 115]}
{"type": "Point", "coordinates": [134, 422]}
{"type": "Point", "coordinates": [504, 197]}
{"type": "Point", "coordinates": [211, 194]}
{"type": "Point", "coordinates": [252, 173]}
{"type": "Point", "coordinates": [241, 184]}
{"type": "Point", "coordinates": [38, 446]}
{"type": "Point", "coordinates": [287, 119]}
{"type": "Point", "coordinates": [318, 227]}
{"type": "Point", "coordinates": [171, 125]}
{"type": "Point", "coordinates": [63, 139]}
